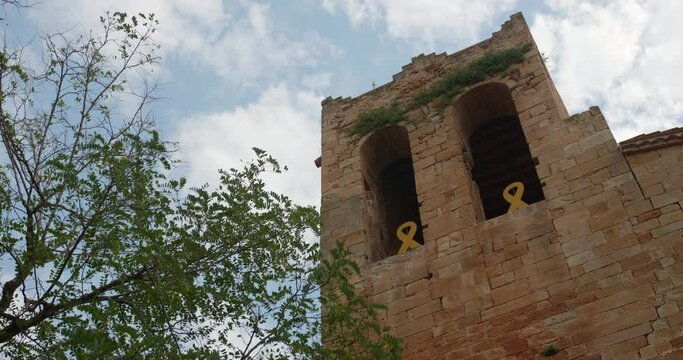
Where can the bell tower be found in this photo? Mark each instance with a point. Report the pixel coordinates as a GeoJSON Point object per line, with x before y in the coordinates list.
{"type": "Point", "coordinates": [491, 223]}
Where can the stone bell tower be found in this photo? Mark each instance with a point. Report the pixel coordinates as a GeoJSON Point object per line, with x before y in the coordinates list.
{"type": "Point", "coordinates": [495, 226]}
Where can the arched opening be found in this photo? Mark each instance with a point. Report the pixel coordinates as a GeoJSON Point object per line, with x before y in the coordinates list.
{"type": "Point", "coordinates": [497, 150]}
{"type": "Point", "coordinates": [390, 194]}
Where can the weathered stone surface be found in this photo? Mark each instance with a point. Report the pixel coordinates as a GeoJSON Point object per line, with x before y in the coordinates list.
{"type": "Point", "coordinates": [595, 269]}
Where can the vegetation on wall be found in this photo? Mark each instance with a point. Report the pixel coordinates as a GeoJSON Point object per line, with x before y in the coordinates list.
{"type": "Point", "coordinates": [549, 350]}
{"type": "Point", "coordinates": [377, 118]}
{"type": "Point", "coordinates": [455, 81]}
{"type": "Point", "coordinates": [448, 86]}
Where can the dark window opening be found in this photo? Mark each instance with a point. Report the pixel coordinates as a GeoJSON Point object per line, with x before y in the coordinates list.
{"type": "Point", "coordinates": [501, 157]}
{"type": "Point", "coordinates": [390, 194]}
{"type": "Point", "coordinates": [397, 185]}
{"type": "Point", "coordinates": [496, 150]}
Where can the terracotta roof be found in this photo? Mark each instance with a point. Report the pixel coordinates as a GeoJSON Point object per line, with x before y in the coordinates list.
{"type": "Point", "coordinates": [653, 141]}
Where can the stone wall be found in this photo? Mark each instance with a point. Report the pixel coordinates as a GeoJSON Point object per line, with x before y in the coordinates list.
{"type": "Point", "coordinates": [595, 270]}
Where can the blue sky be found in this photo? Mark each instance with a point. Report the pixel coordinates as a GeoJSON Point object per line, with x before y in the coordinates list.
{"type": "Point", "coordinates": [238, 74]}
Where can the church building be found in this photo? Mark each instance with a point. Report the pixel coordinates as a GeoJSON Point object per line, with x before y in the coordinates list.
{"type": "Point", "coordinates": [495, 225]}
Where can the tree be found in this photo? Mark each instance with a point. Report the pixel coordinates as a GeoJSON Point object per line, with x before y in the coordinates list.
{"type": "Point", "coordinates": [104, 255]}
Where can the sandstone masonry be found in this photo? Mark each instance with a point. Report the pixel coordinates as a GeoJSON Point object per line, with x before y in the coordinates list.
{"type": "Point", "coordinates": [595, 269]}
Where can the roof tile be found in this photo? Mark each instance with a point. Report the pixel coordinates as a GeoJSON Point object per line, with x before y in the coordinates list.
{"type": "Point", "coordinates": [653, 141]}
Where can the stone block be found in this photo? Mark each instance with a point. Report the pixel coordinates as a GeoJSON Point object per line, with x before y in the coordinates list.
{"type": "Point", "coordinates": [667, 309]}
{"type": "Point", "coordinates": [510, 291]}
{"type": "Point", "coordinates": [625, 297]}
{"type": "Point", "coordinates": [577, 245]}
{"type": "Point", "coordinates": [581, 258]}
{"type": "Point", "coordinates": [612, 214]}
{"type": "Point", "coordinates": [551, 263]}
{"type": "Point", "coordinates": [514, 304]}
{"type": "Point", "coordinates": [417, 286]}
{"type": "Point", "coordinates": [425, 309]}
{"type": "Point", "coordinates": [406, 303]}
{"type": "Point", "coordinates": [618, 337]}
{"type": "Point", "coordinates": [502, 279]}
{"type": "Point", "coordinates": [546, 278]}
{"type": "Point", "coordinates": [638, 207]}
{"type": "Point", "coordinates": [415, 326]}
{"type": "Point", "coordinates": [516, 250]}
{"type": "Point", "coordinates": [625, 350]}
{"type": "Point", "coordinates": [560, 319]}
{"type": "Point", "coordinates": [541, 254]}
{"type": "Point", "coordinates": [612, 258]}
{"type": "Point", "coordinates": [625, 318]}
{"type": "Point", "coordinates": [666, 198]}
{"type": "Point", "coordinates": [666, 229]}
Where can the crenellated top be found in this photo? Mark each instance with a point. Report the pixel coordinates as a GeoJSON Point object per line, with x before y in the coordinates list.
{"type": "Point", "coordinates": [433, 63]}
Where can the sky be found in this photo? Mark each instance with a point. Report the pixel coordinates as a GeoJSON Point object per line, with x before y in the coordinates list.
{"type": "Point", "coordinates": [239, 74]}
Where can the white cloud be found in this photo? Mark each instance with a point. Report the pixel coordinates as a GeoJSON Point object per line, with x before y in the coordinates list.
{"type": "Point", "coordinates": [318, 81]}
{"type": "Point", "coordinates": [424, 22]}
{"type": "Point", "coordinates": [284, 121]}
{"type": "Point", "coordinates": [241, 43]}
{"type": "Point", "coordinates": [624, 56]}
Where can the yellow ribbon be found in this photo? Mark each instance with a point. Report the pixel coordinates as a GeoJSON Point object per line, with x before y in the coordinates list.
{"type": "Point", "coordinates": [407, 239]}
{"type": "Point", "coordinates": [515, 199]}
